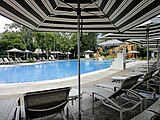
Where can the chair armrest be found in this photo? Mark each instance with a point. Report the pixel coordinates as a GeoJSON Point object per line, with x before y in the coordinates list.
{"type": "Point", "coordinates": [18, 113]}
{"type": "Point", "coordinates": [102, 98]}
{"type": "Point", "coordinates": [113, 103]}
{"type": "Point", "coordinates": [133, 93]}
{"type": "Point", "coordinates": [153, 90]}
{"type": "Point", "coordinates": [154, 80]}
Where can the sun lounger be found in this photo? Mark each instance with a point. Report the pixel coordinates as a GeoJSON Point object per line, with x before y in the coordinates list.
{"type": "Point", "coordinates": [44, 103]}
{"type": "Point", "coordinates": [22, 61]}
{"type": "Point", "coordinates": [17, 60]}
{"type": "Point", "coordinates": [143, 87]}
{"type": "Point", "coordinates": [151, 113]}
{"type": "Point", "coordinates": [51, 59]}
{"type": "Point", "coordinates": [37, 60]}
{"type": "Point", "coordinates": [1, 61]}
{"type": "Point", "coordinates": [114, 86]}
{"type": "Point", "coordinates": [43, 59]}
{"type": "Point", "coordinates": [155, 81]}
{"type": "Point", "coordinates": [6, 61]}
{"type": "Point", "coordinates": [110, 98]}
{"type": "Point", "coordinates": [143, 68]}
{"type": "Point", "coordinates": [11, 60]}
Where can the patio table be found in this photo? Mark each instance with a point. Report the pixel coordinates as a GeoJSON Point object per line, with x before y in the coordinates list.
{"type": "Point", "coordinates": [73, 94]}
{"type": "Point", "coordinates": [118, 79]}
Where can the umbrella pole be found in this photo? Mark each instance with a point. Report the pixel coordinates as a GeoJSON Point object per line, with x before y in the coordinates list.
{"type": "Point", "coordinates": [157, 53]}
{"type": "Point", "coordinates": [147, 36]}
{"type": "Point", "coordinates": [79, 81]}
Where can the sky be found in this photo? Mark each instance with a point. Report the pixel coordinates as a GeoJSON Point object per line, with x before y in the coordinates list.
{"type": "Point", "coordinates": [3, 21]}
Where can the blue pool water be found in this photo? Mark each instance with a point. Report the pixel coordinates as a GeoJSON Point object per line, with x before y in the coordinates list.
{"type": "Point", "coordinates": [49, 71]}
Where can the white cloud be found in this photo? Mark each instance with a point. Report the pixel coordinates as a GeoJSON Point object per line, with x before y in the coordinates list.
{"type": "Point", "coordinates": [3, 21]}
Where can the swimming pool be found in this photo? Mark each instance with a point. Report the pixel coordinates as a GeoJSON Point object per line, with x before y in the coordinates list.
{"type": "Point", "coordinates": [49, 70]}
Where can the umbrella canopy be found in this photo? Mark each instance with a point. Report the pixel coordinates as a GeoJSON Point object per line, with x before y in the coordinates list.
{"type": "Point", "coordinates": [28, 51]}
{"type": "Point", "coordinates": [143, 42]}
{"type": "Point", "coordinates": [96, 15]}
{"type": "Point", "coordinates": [15, 50]}
{"type": "Point", "coordinates": [67, 53]}
{"type": "Point", "coordinates": [133, 51]}
{"type": "Point", "coordinates": [139, 32]}
{"type": "Point", "coordinates": [111, 43]}
{"type": "Point", "coordinates": [70, 15]}
{"type": "Point", "coordinates": [154, 50]}
{"type": "Point", "coordinates": [39, 51]}
{"type": "Point", "coordinates": [56, 52]}
{"type": "Point", "coordinates": [89, 51]}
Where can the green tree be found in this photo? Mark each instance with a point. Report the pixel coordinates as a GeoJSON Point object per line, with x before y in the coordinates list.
{"type": "Point", "coordinates": [68, 43]}
{"type": "Point", "coordinates": [24, 38]}
{"type": "Point", "coordinates": [25, 34]}
{"type": "Point", "coordinates": [142, 52]}
{"type": "Point", "coordinates": [47, 41]}
{"type": "Point", "coordinates": [88, 42]}
{"type": "Point", "coordinates": [11, 40]}
{"type": "Point", "coordinates": [27, 38]}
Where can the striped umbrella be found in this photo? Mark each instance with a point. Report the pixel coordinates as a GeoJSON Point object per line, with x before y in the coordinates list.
{"type": "Point", "coordinates": [139, 32]}
{"type": "Point", "coordinates": [113, 42]}
{"type": "Point", "coordinates": [76, 15]}
{"type": "Point", "coordinates": [96, 15]}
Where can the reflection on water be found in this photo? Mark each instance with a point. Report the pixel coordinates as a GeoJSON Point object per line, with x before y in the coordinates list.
{"type": "Point", "coordinates": [49, 71]}
{"type": "Point", "coordinates": [87, 63]}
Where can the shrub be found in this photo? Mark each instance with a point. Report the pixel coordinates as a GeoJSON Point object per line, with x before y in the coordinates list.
{"type": "Point", "coordinates": [103, 53]}
{"type": "Point", "coordinates": [111, 56]}
{"type": "Point", "coordinates": [31, 61]}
